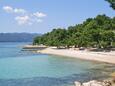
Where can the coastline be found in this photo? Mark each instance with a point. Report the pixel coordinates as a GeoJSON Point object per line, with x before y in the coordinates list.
{"type": "Point", "coordinates": [107, 57]}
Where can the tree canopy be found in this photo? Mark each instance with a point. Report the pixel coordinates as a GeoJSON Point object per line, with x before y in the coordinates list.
{"type": "Point", "coordinates": [96, 32]}
{"type": "Point", "coordinates": [112, 3]}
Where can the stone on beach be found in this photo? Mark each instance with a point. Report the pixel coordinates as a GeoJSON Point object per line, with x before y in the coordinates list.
{"type": "Point", "coordinates": [95, 83]}
{"type": "Point", "coordinates": [77, 83]}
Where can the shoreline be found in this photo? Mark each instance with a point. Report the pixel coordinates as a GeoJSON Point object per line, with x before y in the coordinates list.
{"type": "Point", "coordinates": [107, 57]}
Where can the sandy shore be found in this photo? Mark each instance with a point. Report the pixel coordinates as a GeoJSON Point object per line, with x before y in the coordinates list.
{"type": "Point", "coordinates": [108, 57]}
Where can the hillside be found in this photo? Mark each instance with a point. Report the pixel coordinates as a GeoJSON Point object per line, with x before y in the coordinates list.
{"type": "Point", "coordinates": [17, 37]}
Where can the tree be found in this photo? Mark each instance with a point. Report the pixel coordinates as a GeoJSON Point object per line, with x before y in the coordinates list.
{"type": "Point", "coordinates": [112, 3]}
{"type": "Point", "coordinates": [37, 40]}
{"type": "Point", "coordinates": [108, 37]}
{"type": "Point", "coordinates": [96, 32]}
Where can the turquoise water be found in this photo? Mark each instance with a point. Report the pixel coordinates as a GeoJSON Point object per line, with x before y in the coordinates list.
{"type": "Point", "coordinates": [21, 68]}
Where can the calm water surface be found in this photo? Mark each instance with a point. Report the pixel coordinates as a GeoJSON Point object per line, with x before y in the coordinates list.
{"type": "Point", "coordinates": [21, 68]}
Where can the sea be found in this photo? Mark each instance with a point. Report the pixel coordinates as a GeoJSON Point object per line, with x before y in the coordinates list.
{"type": "Point", "coordinates": [26, 68]}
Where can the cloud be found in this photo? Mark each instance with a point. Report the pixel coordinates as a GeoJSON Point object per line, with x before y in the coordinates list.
{"type": "Point", "coordinates": [8, 9]}
{"type": "Point", "coordinates": [39, 14]}
{"type": "Point", "coordinates": [23, 20]}
{"type": "Point", "coordinates": [16, 10]}
{"type": "Point", "coordinates": [22, 16]}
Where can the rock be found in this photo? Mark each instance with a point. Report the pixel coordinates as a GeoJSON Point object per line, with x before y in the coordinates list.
{"type": "Point", "coordinates": [107, 83]}
{"type": "Point", "coordinates": [96, 83]}
{"type": "Point", "coordinates": [113, 80]}
{"type": "Point", "coordinates": [77, 83]}
{"type": "Point", "coordinates": [93, 83]}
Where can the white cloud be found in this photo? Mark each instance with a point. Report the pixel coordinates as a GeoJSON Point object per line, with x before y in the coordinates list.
{"type": "Point", "coordinates": [39, 14]}
{"type": "Point", "coordinates": [24, 17]}
{"type": "Point", "coordinates": [16, 10]}
{"type": "Point", "coordinates": [23, 20]}
{"type": "Point", "coordinates": [8, 9]}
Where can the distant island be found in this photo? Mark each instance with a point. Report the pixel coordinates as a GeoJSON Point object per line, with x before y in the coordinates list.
{"type": "Point", "coordinates": [17, 37]}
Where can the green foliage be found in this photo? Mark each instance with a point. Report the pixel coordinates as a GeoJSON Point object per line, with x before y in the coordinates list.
{"type": "Point", "coordinates": [112, 3]}
{"type": "Point", "coordinates": [94, 32]}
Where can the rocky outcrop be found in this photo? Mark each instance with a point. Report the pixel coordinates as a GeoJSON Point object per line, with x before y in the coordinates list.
{"type": "Point", "coordinates": [96, 83]}
{"type": "Point", "coordinates": [77, 83]}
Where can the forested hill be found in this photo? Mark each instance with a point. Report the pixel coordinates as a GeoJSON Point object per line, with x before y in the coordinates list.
{"type": "Point", "coordinates": [17, 37]}
{"type": "Point", "coordinates": [98, 32]}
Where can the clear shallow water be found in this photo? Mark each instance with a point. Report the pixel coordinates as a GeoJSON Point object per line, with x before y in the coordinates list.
{"type": "Point", "coordinates": [20, 68]}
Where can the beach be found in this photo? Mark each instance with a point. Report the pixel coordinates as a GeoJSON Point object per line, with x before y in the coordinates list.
{"type": "Point", "coordinates": [107, 57]}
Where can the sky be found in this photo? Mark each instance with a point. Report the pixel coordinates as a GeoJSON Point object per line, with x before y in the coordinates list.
{"type": "Point", "coordinates": [41, 16]}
